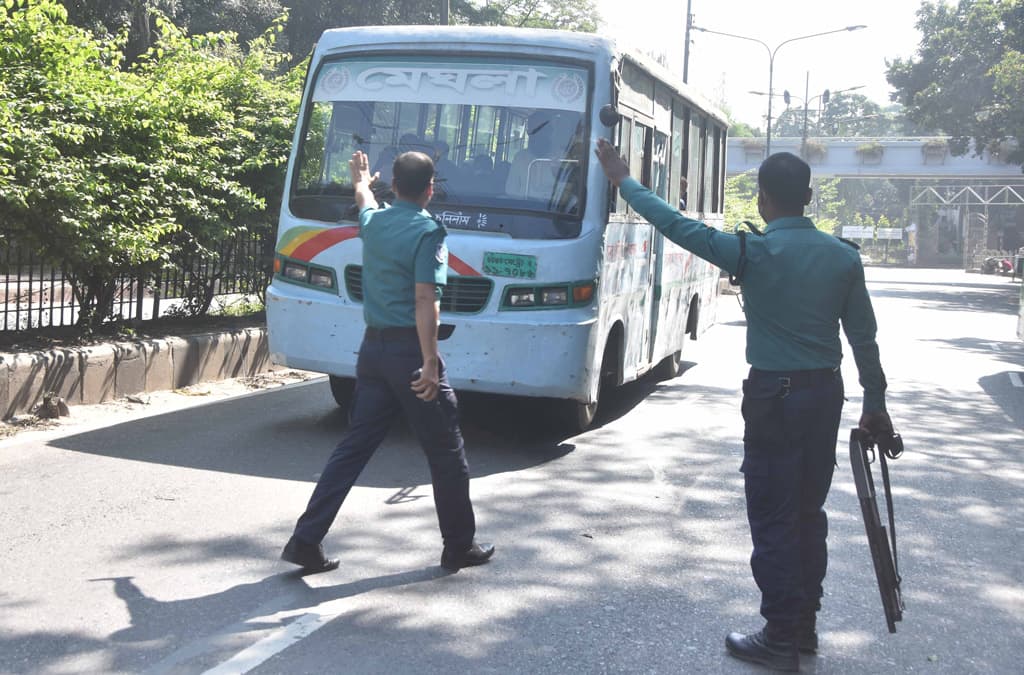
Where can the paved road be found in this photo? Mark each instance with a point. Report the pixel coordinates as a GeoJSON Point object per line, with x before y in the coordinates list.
{"type": "Point", "coordinates": [147, 542]}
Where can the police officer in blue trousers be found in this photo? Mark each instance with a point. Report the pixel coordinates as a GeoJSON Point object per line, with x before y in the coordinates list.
{"type": "Point", "coordinates": [798, 284]}
{"type": "Point", "coordinates": [399, 369]}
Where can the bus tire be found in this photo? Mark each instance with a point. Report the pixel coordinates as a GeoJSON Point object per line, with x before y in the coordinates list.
{"type": "Point", "coordinates": [668, 367]}
{"type": "Point", "coordinates": [342, 389]}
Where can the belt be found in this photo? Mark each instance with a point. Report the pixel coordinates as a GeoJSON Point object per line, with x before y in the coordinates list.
{"type": "Point", "coordinates": [798, 378]}
{"type": "Point", "coordinates": [391, 333]}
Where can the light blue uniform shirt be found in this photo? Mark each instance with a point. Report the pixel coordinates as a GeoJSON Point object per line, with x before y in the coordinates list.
{"type": "Point", "coordinates": [798, 284]}
{"type": "Point", "coordinates": [402, 246]}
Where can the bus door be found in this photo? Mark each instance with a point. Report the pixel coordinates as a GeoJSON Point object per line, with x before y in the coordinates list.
{"type": "Point", "coordinates": [642, 242]}
{"type": "Point", "coordinates": [659, 168]}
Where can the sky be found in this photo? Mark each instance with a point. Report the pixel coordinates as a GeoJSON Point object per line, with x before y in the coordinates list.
{"type": "Point", "coordinates": [727, 68]}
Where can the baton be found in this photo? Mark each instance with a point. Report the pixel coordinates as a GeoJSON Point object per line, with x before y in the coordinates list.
{"type": "Point", "coordinates": [862, 455]}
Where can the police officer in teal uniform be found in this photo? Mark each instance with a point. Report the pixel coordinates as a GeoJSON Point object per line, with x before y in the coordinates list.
{"type": "Point", "coordinates": [798, 285]}
{"type": "Point", "coordinates": [399, 370]}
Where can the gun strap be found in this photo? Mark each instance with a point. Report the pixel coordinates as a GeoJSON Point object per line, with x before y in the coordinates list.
{"type": "Point", "coordinates": [741, 264]}
{"type": "Point", "coordinates": [892, 519]}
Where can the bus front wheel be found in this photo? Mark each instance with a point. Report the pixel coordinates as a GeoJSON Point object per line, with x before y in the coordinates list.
{"type": "Point", "coordinates": [342, 389]}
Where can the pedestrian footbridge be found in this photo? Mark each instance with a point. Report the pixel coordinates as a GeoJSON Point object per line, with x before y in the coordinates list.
{"type": "Point", "coordinates": [873, 158]}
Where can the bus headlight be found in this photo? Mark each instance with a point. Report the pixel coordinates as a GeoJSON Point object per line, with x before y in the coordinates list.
{"type": "Point", "coordinates": [554, 296]}
{"type": "Point", "coordinates": [321, 278]}
{"type": "Point", "coordinates": [522, 297]}
{"type": "Point", "coordinates": [305, 274]}
{"type": "Point", "coordinates": [294, 272]}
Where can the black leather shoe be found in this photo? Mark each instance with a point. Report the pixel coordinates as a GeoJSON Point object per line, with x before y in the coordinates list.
{"type": "Point", "coordinates": [309, 557]}
{"type": "Point", "coordinates": [477, 554]}
{"type": "Point", "coordinates": [759, 648]}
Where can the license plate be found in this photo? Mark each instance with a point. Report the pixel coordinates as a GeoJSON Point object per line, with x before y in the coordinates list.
{"type": "Point", "coordinates": [510, 265]}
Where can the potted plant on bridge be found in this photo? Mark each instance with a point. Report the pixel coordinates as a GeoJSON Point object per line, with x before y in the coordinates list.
{"type": "Point", "coordinates": [870, 153]}
{"type": "Point", "coordinates": [753, 149]}
{"type": "Point", "coordinates": [815, 152]}
{"type": "Point", "coordinates": [934, 150]}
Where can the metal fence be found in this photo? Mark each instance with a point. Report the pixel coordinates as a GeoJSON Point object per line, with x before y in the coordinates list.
{"type": "Point", "coordinates": [35, 295]}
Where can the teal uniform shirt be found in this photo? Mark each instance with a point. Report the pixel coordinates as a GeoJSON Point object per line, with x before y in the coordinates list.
{"type": "Point", "coordinates": [798, 284]}
{"type": "Point", "coordinates": [402, 246]}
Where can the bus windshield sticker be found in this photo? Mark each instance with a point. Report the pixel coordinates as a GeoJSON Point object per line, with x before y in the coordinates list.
{"type": "Point", "coordinates": [413, 80]}
{"type": "Point", "coordinates": [510, 265]}
{"type": "Point", "coordinates": [458, 219]}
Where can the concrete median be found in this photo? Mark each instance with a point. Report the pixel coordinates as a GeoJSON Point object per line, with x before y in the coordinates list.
{"type": "Point", "coordinates": [103, 372]}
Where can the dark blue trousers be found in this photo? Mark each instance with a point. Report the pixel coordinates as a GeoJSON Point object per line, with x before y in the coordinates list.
{"type": "Point", "coordinates": [789, 454]}
{"type": "Point", "coordinates": [384, 371]}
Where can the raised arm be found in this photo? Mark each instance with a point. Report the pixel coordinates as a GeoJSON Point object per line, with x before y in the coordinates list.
{"type": "Point", "coordinates": [719, 248]}
{"type": "Point", "coordinates": [359, 167]}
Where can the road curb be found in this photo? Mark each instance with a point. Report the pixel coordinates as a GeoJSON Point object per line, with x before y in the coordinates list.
{"type": "Point", "coordinates": [99, 373]}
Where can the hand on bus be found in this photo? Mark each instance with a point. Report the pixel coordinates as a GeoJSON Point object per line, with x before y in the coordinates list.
{"type": "Point", "coordinates": [427, 384]}
{"type": "Point", "coordinates": [615, 167]}
{"type": "Point", "coordinates": [359, 167]}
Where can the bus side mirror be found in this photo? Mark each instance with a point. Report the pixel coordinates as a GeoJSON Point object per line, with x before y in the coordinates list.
{"type": "Point", "coordinates": [609, 115]}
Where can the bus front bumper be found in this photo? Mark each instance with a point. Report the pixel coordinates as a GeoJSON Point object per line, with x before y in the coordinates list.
{"type": "Point", "coordinates": [512, 354]}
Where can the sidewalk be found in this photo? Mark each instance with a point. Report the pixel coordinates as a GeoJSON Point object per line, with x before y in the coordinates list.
{"type": "Point", "coordinates": [104, 372]}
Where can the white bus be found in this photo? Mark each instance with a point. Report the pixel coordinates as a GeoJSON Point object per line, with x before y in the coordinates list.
{"type": "Point", "coordinates": [556, 288]}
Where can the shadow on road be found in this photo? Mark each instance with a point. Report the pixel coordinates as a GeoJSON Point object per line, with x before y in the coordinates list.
{"type": "Point", "coordinates": [289, 433]}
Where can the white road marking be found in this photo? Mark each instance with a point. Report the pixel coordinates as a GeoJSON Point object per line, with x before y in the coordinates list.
{"type": "Point", "coordinates": [1015, 379]}
{"type": "Point", "coordinates": [276, 642]}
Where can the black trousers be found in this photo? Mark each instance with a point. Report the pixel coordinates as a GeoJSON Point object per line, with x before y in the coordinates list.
{"type": "Point", "coordinates": [384, 371]}
{"type": "Point", "coordinates": [789, 454]}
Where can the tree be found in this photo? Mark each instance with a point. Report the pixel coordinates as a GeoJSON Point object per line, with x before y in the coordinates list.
{"type": "Point", "coordinates": [309, 18]}
{"type": "Point", "coordinates": [576, 15]}
{"type": "Point", "coordinates": [968, 76]}
{"type": "Point", "coordinates": [246, 18]}
{"type": "Point", "coordinates": [107, 172]}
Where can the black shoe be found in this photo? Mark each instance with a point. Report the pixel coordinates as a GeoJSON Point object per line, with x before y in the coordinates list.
{"type": "Point", "coordinates": [309, 557]}
{"type": "Point", "coordinates": [476, 554]}
{"type": "Point", "coordinates": [759, 648]}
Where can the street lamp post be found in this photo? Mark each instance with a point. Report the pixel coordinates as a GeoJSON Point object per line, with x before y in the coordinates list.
{"type": "Point", "coordinates": [771, 63]}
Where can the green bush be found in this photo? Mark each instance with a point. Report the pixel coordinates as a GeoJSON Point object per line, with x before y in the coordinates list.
{"type": "Point", "coordinates": [106, 172]}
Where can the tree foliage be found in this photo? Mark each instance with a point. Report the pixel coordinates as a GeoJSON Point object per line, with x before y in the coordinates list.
{"type": "Point", "coordinates": [968, 76]}
{"type": "Point", "coordinates": [107, 172]}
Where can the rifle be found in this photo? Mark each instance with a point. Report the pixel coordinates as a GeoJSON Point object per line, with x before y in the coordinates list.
{"type": "Point", "coordinates": [862, 455]}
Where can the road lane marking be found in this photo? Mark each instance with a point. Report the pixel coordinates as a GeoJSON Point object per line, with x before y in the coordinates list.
{"type": "Point", "coordinates": [262, 650]}
{"type": "Point", "coordinates": [1015, 379]}
{"type": "Point", "coordinates": [304, 621]}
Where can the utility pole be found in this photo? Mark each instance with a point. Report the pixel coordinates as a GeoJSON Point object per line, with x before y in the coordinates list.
{"type": "Point", "coordinates": [686, 46]}
{"type": "Point", "coordinates": [803, 140]}
{"type": "Point", "coordinates": [445, 11]}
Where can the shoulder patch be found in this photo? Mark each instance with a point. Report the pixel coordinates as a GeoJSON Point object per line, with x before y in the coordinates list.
{"type": "Point", "coordinates": [855, 246]}
{"type": "Point", "coordinates": [441, 254]}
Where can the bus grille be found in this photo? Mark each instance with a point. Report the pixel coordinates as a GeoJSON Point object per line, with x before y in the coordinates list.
{"type": "Point", "coordinates": [462, 295]}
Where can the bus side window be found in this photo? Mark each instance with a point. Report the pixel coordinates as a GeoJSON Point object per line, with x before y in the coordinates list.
{"type": "Point", "coordinates": [708, 173]}
{"type": "Point", "coordinates": [694, 166]}
{"type": "Point", "coordinates": [721, 175]}
{"type": "Point", "coordinates": [625, 130]}
{"type": "Point", "coordinates": [659, 165]}
{"type": "Point", "coordinates": [716, 193]}
{"type": "Point", "coordinates": [677, 172]}
{"type": "Point", "coordinates": [640, 153]}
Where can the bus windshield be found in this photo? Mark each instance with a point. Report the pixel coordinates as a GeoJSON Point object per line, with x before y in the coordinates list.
{"type": "Point", "coordinates": [507, 139]}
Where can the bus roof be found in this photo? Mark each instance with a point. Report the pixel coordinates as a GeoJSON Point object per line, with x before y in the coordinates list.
{"type": "Point", "coordinates": [527, 41]}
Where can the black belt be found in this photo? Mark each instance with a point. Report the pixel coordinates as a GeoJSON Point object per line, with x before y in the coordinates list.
{"type": "Point", "coordinates": [792, 379]}
{"type": "Point", "coordinates": [392, 333]}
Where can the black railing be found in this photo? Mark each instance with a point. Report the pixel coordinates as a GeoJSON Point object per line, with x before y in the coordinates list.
{"type": "Point", "coordinates": [35, 295]}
